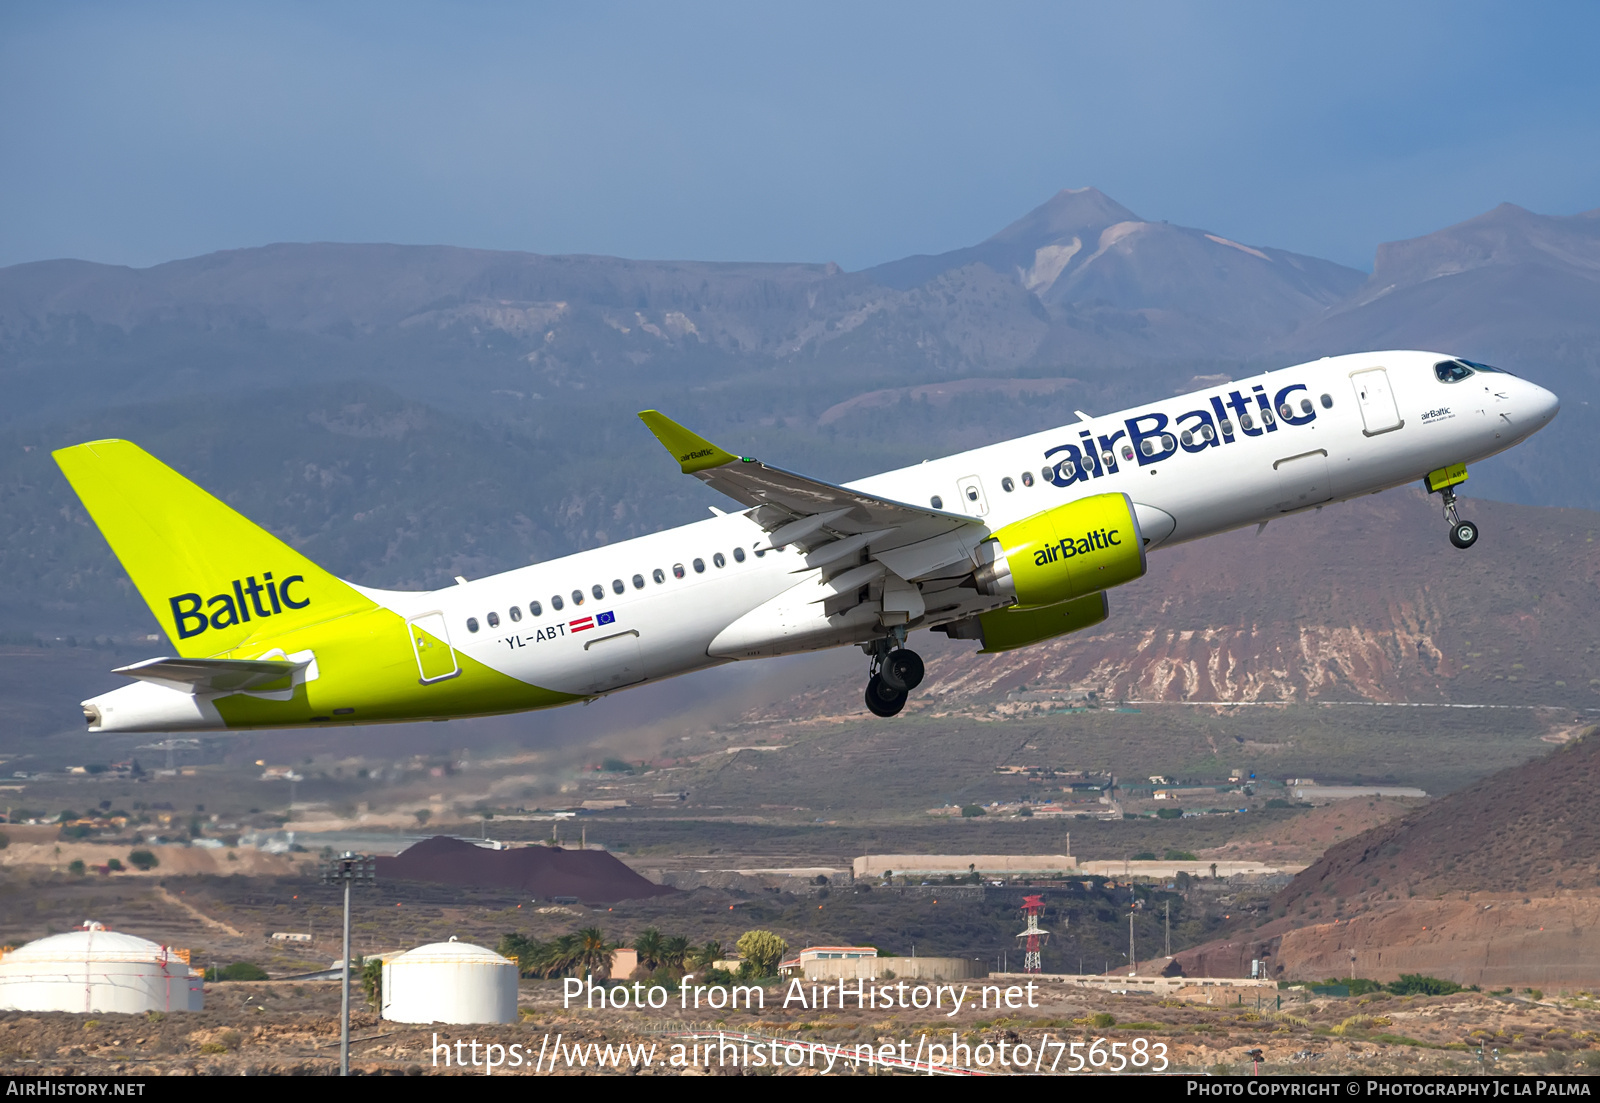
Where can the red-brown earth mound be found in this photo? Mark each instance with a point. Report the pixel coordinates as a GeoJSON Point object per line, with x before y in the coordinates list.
{"type": "Point", "coordinates": [540, 871]}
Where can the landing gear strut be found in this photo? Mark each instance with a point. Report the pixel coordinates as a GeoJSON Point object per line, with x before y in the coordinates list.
{"type": "Point", "coordinates": [895, 671]}
{"type": "Point", "coordinates": [1463, 534]}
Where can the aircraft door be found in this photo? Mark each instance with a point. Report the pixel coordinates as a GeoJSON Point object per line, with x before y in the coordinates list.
{"type": "Point", "coordinates": [1379, 413]}
{"type": "Point", "coordinates": [430, 641]}
{"type": "Point", "coordinates": [1303, 481]}
{"type": "Point", "coordinates": [972, 497]}
{"type": "Point", "coordinates": [612, 661]}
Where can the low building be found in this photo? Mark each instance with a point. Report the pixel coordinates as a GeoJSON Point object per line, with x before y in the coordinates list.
{"type": "Point", "coordinates": [623, 962]}
{"type": "Point", "coordinates": [1325, 794]}
{"type": "Point", "coordinates": [796, 966]}
{"type": "Point", "coordinates": [961, 865]}
{"type": "Point", "coordinates": [830, 963]}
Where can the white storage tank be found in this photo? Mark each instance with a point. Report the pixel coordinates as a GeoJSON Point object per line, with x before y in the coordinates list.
{"type": "Point", "coordinates": [449, 982]}
{"type": "Point", "coordinates": [96, 970]}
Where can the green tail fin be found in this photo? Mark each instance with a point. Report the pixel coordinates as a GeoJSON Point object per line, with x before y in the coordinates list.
{"type": "Point", "coordinates": [214, 579]}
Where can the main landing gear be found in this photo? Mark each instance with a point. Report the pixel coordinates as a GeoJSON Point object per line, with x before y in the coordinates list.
{"type": "Point", "coordinates": [895, 672]}
{"type": "Point", "coordinates": [1463, 534]}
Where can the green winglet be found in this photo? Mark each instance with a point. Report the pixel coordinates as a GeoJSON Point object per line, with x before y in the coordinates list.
{"type": "Point", "coordinates": [693, 453]}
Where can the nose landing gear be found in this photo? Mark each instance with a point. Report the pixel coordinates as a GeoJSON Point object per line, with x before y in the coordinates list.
{"type": "Point", "coordinates": [894, 674]}
{"type": "Point", "coordinates": [1463, 534]}
{"type": "Point", "coordinates": [1443, 482]}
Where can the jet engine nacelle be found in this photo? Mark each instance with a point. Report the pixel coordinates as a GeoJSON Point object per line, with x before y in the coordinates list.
{"type": "Point", "coordinates": [1067, 552]}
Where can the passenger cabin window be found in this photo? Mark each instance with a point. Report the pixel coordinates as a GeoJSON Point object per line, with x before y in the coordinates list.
{"type": "Point", "coordinates": [1451, 371]}
{"type": "Point", "coordinates": [659, 575]}
{"type": "Point", "coordinates": [972, 494]}
{"type": "Point", "coordinates": [577, 597]}
{"type": "Point", "coordinates": [598, 591]}
{"type": "Point", "coordinates": [1127, 452]}
{"type": "Point", "coordinates": [638, 582]}
{"type": "Point", "coordinates": [536, 609]}
{"type": "Point", "coordinates": [472, 624]}
{"type": "Point", "coordinates": [1107, 458]}
{"type": "Point", "coordinates": [617, 587]}
{"type": "Point", "coordinates": [515, 612]}
{"type": "Point", "coordinates": [1047, 473]}
{"type": "Point", "coordinates": [1168, 442]}
{"type": "Point", "coordinates": [1067, 469]}
{"type": "Point", "coordinates": [677, 570]}
{"type": "Point", "coordinates": [719, 560]}
{"type": "Point", "coordinates": [1187, 438]}
{"type": "Point", "coordinates": [555, 603]}
{"type": "Point", "coordinates": [936, 502]}
{"type": "Point", "coordinates": [1266, 417]}
{"type": "Point", "coordinates": [494, 620]}
{"type": "Point", "coordinates": [738, 555]}
{"type": "Point", "coordinates": [1226, 426]}
{"type": "Point", "coordinates": [1027, 478]}
{"type": "Point", "coordinates": [1007, 485]}
{"type": "Point", "coordinates": [1245, 422]}
{"type": "Point", "coordinates": [1327, 402]}
{"type": "Point", "coordinates": [1286, 411]}
{"type": "Point", "coordinates": [760, 552]}
{"type": "Point", "coordinates": [699, 566]}
{"type": "Point", "coordinates": [1208, 432]}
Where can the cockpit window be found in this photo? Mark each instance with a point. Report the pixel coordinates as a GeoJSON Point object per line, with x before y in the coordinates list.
{"type": "Point", "coordinates": [1475, 366]}
{"type": "Point", "coordinates": [1451, 371]}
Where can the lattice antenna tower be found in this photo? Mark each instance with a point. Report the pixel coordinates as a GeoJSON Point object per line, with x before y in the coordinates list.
{"type": "Point", "coordinates": [1033, 935]}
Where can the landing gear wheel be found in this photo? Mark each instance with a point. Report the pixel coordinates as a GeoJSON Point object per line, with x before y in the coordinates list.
{"type": "Point", "coordinates": [1464, 534]}
{"type": "Point", "coordinates": [902, 670]}
{"type": "Point", "coordinates": [883, 699]}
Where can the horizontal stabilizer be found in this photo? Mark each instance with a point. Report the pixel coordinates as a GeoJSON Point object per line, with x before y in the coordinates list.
{"type": "Point", "coordinates": [217, 676]}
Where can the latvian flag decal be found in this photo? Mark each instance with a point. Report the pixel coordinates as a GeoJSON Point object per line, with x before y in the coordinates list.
{"type": "Point", "coordinates": [584, 623]}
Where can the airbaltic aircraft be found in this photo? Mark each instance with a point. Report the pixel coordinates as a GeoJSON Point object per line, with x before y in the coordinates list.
{"type": "Point", "coordinates": [1006, 545]}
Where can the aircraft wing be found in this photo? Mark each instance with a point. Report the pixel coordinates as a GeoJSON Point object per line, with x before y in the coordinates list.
{"type": "Point", "coordinates": [216, 676]}
{"type": "Point", "coordinates": [825, 521]}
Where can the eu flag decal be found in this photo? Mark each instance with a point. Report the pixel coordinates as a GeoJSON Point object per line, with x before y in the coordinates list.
{"type": "Point", "coordinates": [605, 618]}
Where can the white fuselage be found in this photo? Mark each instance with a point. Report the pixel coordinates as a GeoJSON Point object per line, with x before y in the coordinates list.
{"type": "Point", "coordinates": [1190, 463]}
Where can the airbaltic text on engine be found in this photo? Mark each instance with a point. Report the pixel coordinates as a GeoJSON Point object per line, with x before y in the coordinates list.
{"type": "Point", "coordinates": [1064, 553]}
{"type": "Point", "coordinates": [1068, 547]}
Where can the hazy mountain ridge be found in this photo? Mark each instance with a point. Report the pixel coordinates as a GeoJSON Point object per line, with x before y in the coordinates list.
{"type": "Point", "coordinates": [509, 380]}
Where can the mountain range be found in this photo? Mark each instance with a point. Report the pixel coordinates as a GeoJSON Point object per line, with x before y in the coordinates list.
{"type": "Point", "coordinates": [408, 413]}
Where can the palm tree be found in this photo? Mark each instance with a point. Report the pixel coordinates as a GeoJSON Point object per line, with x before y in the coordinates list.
{"type": "Point", "coordinates": [649, 946]}
{"type": "Point", "coordinates": [675, 952]}
{"type": "Point", "coordinates": [528, 953]}
{"type": "Point", "coordinates": [594, 952]}
{"type": "Point", "coordinates": [707, 955]}
{"type": "Point", "coordinates": [558, 956]}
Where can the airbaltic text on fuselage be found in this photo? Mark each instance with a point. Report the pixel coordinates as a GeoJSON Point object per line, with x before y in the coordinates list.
{"type": "Point", "coordinates": [1067, 548]}
{"type": "Point", "coordinates": [1154, 437]}
{"type": "Point", "coordinates": [192, 616]}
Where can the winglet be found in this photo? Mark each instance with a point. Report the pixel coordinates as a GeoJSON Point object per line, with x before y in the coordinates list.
{"type": "Point", "coordinates": [693, 453]}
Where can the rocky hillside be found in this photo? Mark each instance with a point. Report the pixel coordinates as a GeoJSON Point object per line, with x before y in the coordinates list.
{"type": "Point", "coordinates": [1493, 884]}
{"type": "Point", "coordinates": [1365, 601]}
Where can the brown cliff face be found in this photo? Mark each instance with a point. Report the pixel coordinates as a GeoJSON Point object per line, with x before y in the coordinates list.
{"type": "Point", "coordinates": [1494, 884]}
{"type": "Point", "coordinates": [1365, 601]}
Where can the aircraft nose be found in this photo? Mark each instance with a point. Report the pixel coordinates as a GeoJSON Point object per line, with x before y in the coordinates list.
{"type": "Point", "coordinates": [1542, 403]}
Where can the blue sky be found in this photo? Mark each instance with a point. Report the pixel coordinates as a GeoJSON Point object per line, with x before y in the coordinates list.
{"type": "Point", "coordinates": [856, 133]}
